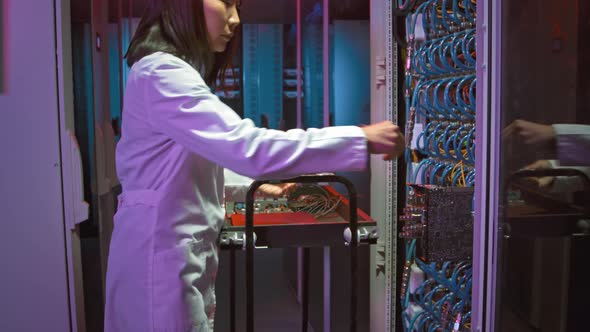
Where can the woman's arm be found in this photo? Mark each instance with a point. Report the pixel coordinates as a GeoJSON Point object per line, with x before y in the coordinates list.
{"type": "Point", "coordinates": [182, 107]}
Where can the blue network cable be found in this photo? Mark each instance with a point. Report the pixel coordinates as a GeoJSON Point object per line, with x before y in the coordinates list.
{"type": "Point", "coordinates": [440, 90]}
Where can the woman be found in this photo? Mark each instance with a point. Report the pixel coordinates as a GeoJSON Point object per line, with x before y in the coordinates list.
{"type": "Point", "coordinates": [177, 138]}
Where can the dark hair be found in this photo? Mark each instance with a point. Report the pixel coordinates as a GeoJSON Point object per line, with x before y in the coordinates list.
{"type": "Point", "coordinates": [178, 27]}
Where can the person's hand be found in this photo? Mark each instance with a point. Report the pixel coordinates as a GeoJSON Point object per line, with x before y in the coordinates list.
{"type": "Point", "coordinates": [544, 182]}
{"type": "Point", "coordinates": [385, 138]}
{"type": "Point", "coordinates": [530, 132]}
{"type": "Point", "coordinates": [275, 190]}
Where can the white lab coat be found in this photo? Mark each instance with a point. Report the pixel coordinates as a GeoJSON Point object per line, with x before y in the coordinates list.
{"type": "Point", "coordinates": [573, 151]}
{"type": "Point", "coordinates": [177, 137]}
{"type": "Point", "coordinates": [573, 144]}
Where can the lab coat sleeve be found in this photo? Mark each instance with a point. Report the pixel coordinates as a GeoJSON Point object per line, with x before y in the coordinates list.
{"type": "Point", "coordinates": [182, 107]}
{"type": "Point", "coordinates": [573, 144]}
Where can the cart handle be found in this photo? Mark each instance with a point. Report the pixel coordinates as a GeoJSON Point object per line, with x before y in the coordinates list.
{"type": "Point", "coordinates": [352, 197]}
{"type": "Point", "coordinates": [529, 173]}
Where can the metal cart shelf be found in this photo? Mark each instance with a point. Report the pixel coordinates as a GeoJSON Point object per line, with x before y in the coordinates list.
{"type": "Point", "coordinates": [335, 230]}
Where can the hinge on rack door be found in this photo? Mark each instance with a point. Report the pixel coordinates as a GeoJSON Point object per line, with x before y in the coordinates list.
{"type": "Point", "coordinates": [380, 72]}
{"type": "Point", "coordinates": [380, 259]}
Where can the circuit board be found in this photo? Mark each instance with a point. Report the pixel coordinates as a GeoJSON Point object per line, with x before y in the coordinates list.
{"type": "Point", "coordinates": [441, 219]}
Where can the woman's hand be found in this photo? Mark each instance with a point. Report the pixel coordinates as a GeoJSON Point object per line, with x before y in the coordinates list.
{"type": "Point", "coordinates": [544, 182]}
{"type": "Point", "coordinates": [530, 132]}
{"type": "Point", "coordinates": [275, 190]}
{"type": "Point", "coordinates": [385, 138]}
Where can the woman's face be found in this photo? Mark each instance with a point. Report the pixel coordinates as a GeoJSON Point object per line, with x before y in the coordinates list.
{"type": "Point", "coordinates": [221, 18]}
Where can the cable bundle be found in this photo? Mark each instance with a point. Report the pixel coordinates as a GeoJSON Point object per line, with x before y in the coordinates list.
{"type": "Point", "coordinates": [443, 173]}
{"type": "Point", "coordinates": [312, 199]}
{"type": "Point", "coordinates": [450, 98]}
{"type": "Point", "coordinates": [443, 301]}
{"type": "Point", "coordinates": [451, 54]}
{"type": "Point", "coordinates": [439, 91]}
{"type": "Point", "coordinates": [451, 141]}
